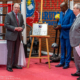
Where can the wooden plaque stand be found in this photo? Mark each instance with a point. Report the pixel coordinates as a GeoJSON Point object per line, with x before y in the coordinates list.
{"type": "Point", "coordinates": [40, 37]}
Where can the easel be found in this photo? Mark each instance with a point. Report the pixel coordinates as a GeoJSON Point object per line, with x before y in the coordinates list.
{"type": "Point", "coordinates": [40, 37]}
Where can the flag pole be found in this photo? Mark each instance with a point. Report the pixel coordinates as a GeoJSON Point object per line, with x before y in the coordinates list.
{"type": "Point", "coordinates": [41, 11]}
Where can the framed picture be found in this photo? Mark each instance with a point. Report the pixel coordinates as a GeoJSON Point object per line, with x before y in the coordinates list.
{"type": "Point", "coordinates": [40, 29]}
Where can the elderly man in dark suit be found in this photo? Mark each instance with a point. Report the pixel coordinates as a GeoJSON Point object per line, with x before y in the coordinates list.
{"type": "Point", "coordinates": [75, 37]}
{"type": "Point", "coordinates": [14, 25]}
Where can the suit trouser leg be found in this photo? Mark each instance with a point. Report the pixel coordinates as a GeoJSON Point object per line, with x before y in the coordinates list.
{"type": "Point", "coordinates": [13, 52]}
{"type": "Point", "coordinates": [68, 55]}
{"type": "Point", "coordinates": [10, 47]}
{"type": "Point", "coordinates": [77, 60]}
{"type": "Point", "coordinates": [62, 41]}
{"type": "Point", "coordinates": [16, 52]}
{"type": "Point", "coordinates": [65, 45]}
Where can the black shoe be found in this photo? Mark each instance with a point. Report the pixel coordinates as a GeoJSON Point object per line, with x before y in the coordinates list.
{"type": "Point", "coordinates": [10, 69]}
{"type": "Point", "coordinates": [75, 74]}
{"type": "Point", "coordinates": [65, 66]}
{"type": "Point", "coordinates": [17, 67]}
{"type": "Point", "coordinates": [59, 65]}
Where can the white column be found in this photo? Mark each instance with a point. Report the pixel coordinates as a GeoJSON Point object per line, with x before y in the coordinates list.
{"type": "Point", "coordinates": [71, 4]}
{"type": "Point", "coordinates": [23, 11]}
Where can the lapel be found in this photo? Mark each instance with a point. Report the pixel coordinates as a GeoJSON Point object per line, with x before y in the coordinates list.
{"type": "Point", "coordinates": [63, 18]}
{"type": "Point", "coordinates": [75, 22]}
{"type": "Point", "coordinates": [14, 17]}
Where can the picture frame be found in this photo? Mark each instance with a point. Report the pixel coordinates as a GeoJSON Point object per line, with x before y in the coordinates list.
{"type": "Point", "coordinates": [40, 29]}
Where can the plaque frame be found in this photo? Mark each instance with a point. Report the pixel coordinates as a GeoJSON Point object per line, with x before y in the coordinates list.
{"type": "Point", "coordinates": [40, 29]}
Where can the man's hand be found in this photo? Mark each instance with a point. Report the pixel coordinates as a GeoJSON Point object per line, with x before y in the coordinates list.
{"type": "Point", "coordinates": [58, 27]}
{"type": "Point", "coordinates": [18, 29]}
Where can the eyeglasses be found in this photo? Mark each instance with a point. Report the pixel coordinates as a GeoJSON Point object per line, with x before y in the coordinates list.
{"type": "Point", "coordinates": [16, 7]}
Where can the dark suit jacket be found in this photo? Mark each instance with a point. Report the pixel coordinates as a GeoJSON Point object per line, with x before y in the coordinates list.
{"type": "Point", "coordinates": [10, 24]}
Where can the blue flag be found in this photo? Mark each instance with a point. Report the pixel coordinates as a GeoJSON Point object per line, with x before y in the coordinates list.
{"type": "Point", "coordinates": [30, 7]}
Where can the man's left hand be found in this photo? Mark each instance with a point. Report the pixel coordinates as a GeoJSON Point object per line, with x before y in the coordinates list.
{"type": "Point", "coordinates": [58, 27]}
{"type": "Point", "coordinates": [20, 28]}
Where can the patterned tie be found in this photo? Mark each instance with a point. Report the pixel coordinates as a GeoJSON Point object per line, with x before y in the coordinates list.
{"type": "Point", "coordinates": [17, 20]}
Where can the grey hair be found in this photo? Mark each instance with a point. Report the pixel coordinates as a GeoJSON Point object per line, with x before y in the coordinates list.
{"type": "Point", "coordinates": [77, 5]}
{"type": "Point", "coordinates": [16, 4]}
